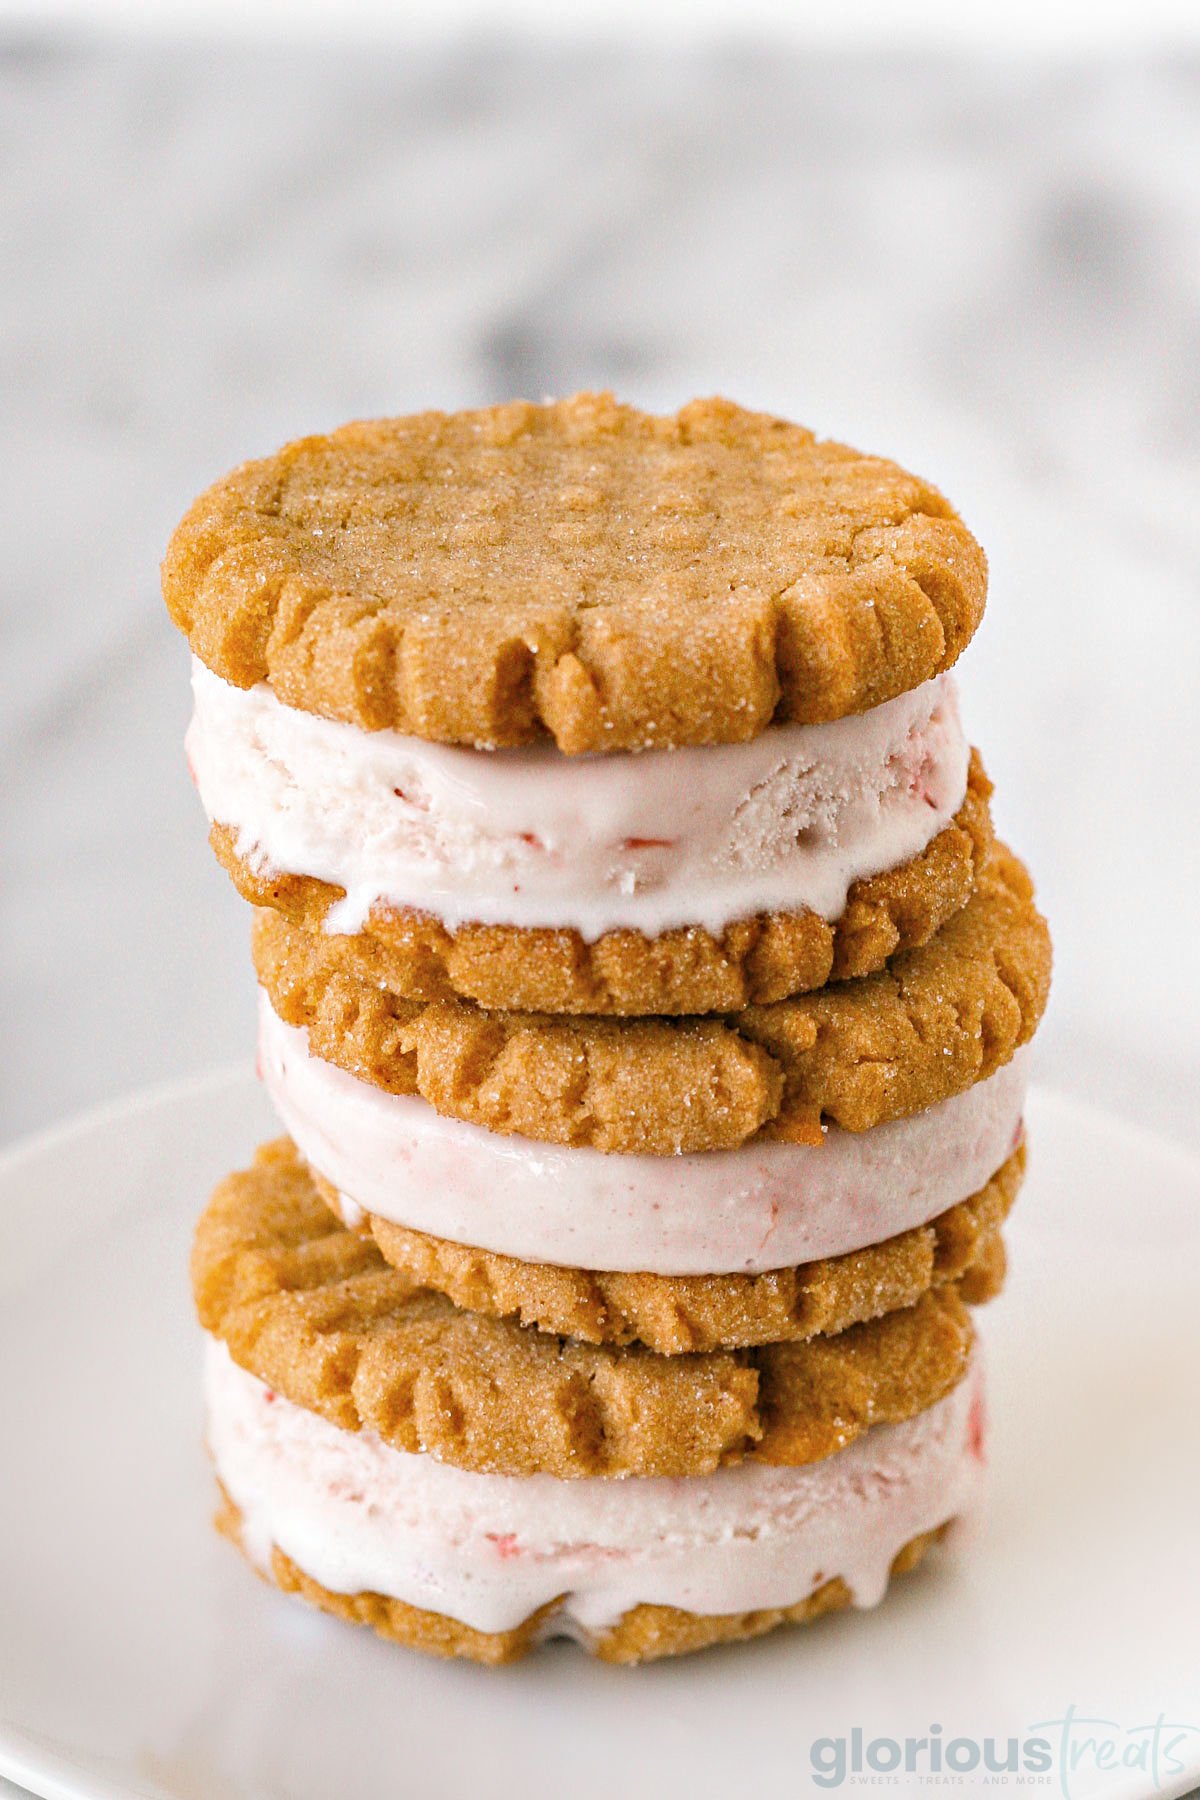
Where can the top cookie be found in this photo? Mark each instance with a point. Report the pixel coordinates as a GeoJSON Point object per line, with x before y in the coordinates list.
{"type": "Point", "coordinates": [613, 578]}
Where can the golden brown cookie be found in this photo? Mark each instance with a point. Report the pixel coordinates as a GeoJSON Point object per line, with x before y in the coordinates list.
{"type": "Point", "coordinates": [677, 1313]}
{"type": "Point", "coordinates": [642, 1635]}
{"type": "Point", "coordinates": [855, 1054]}
{"type": "Point", "coordinates": [581, 568]}
{"type": "Point", "coordinates": [314, 1310]}
{"type": "Point", "coordinates": [756, 960]}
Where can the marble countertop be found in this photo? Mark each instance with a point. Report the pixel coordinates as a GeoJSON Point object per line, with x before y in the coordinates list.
{"type": "Point", "coordinates": [988, 270]}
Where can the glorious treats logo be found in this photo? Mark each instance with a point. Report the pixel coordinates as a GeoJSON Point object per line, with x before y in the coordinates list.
{"type": "Point", "coordinates": [1065, 1755]}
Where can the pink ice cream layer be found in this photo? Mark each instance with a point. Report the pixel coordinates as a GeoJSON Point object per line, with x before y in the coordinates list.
{"type": "Point", "coordinates": [765, 1206]}
{"type": "Point", "coordinates": [488, 1550]}
{"type": "Point", "coordinates": [648, 841]}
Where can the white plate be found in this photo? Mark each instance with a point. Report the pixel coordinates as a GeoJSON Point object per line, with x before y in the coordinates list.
{"type": "Point", "coordinates": [138, 1656]}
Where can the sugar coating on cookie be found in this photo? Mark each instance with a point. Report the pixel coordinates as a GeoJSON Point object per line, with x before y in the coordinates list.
{"type": "Point", "coordinates": [767, 1205]}
{"type": "Point", "coordinates": [612, 578]}
{"type": "Point", "coordinates": [315, 1310]}
{"type": "Point", "coordinates": [756, 960]}
{"type": "Point", "coordinates": [677, 1314]}
{"type": "Point", "coordinates": [648, 999]}
{"type": "Point", "coordinates": [488, 1552]}
{"type": "Point", "coordinates": [856, 1054]}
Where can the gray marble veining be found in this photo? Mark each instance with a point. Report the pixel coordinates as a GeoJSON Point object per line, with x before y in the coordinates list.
{"type": "Point", "coordinates": [989, 270]}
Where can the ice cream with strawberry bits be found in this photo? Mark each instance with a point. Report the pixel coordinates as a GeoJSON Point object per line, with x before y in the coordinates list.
{"type": "Point", "coordinates": [489, 1550]}
{"type": "Point", "coordinates": [665, 838]}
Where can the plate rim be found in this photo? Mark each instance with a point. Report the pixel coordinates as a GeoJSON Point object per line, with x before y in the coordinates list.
{"type": "Point", "coordinates": [54, 1773]}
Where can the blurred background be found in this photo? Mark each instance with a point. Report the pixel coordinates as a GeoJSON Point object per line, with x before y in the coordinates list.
{"type": "Point", "coordinates": [969, 240]}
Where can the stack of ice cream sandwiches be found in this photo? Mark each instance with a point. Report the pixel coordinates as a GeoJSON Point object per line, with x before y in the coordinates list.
{"type": "Point", "coordinates": [646, 999]}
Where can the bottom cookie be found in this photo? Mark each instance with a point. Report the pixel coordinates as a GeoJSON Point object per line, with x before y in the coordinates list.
{"type": "Point", "coordinates": [643, 1635]}
{"type": "Point", "coordinates": [487, 1567]}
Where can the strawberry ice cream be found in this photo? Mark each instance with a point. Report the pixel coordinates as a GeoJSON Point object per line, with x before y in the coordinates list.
{"type": "Point", "coordinates": [488, 1550]}
{"type": "Point", "coordinates": [764, 1206]}
{"type": "Point", "coordinates": [653, 841]}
